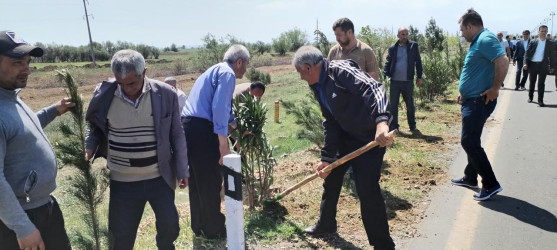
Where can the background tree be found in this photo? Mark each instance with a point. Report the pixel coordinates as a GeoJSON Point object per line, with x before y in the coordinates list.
{"type": "Point", "coordinates": [379, 40]}
{"type": "Point", "coordinates": [434, 36]}
{"type": "Point", "coordinates": [322, 42]}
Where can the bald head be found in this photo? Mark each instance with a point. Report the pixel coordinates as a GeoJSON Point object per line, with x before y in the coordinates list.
{"type": "Point", "coordinates": [402, 36]}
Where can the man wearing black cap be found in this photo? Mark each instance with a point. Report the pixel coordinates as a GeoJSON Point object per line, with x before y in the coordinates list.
{"type": "Point", "coordinates": [30, 217]}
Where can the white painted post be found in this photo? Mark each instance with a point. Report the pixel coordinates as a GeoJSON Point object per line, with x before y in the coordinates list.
{"type": "Point", "coordinates": [233, 202]}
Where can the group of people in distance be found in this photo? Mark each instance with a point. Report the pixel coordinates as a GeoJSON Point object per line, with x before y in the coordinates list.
{"type": "Point", "coordinates": [153, 141]}
{"type": "Point", "coordinates": [534, 58]}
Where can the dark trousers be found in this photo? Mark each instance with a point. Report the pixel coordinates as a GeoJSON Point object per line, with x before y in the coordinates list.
{"type": "Point", "coordinates": [536, 70]}
{"type": "Point", "coordinates": [367, 171]}
{"type": "Point", "coordinates": [406, 88]}
{"type": "Point", "coordinates": [474, 115]}
{"type": "Point", "coordinates": [48, 220]}
{"type": "Point", "coordinates": [126, 205]}
{"type": "Point", "coordinates": [205, 182]}
{"type": "Point", "coordinates": [519, 71]}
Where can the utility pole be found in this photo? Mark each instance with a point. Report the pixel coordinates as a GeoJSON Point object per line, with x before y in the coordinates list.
{"type": "Point", "coordinates": [552, 14]}
{"type": "Point", "coordinates": [89, 30]}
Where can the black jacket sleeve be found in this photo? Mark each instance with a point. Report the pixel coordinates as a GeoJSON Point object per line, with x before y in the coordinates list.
{"type": "Point", "coordinates": [419, 69]}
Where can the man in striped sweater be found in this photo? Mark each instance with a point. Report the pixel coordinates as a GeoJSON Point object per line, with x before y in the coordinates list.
{"type": "Point", "coordinates": [135, 124]}
{"type": "Point", "coordinates": [356, 111]}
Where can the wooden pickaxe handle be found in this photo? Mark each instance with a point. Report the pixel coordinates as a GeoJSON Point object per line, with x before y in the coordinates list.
{"type": "Point", "coordinates": [332, 166]}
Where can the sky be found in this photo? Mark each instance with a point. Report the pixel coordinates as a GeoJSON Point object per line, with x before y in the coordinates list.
{"type": "Point", "coordinates": [185, 22]}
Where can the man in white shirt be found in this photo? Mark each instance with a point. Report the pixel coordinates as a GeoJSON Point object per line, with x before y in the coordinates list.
{"type": "Point", "coordinates": [540, 59]}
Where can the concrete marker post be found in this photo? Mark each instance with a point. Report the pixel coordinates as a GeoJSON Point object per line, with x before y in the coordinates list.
{"type": "Point", "coordinates": [233, 201]}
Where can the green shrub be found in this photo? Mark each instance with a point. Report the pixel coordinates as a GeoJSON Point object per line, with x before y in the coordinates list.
{"type": "Point", "coordinates": [308, 116]}
{"type": "Point", "coordinates": [256, 151]}
{"type": "Point", "coordinates": [255, 75]}
{"type": "Point", "coordinates": [261, 60]}
{"type": "Point", "coordinates": [437, 75]}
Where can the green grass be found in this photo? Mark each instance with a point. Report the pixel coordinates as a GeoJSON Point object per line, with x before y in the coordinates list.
{"type": "Point", "coordinates": [282, 134]}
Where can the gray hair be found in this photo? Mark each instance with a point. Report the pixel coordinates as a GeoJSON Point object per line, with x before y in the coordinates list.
{"type": "Point", "coordinates": [235, 52]}
{"type": "Point", "coordinates": [127, 61]}
{"type": "Point", "coordinates": [307, 55]}
{"type": "Point", "coordinates": [170, 79]}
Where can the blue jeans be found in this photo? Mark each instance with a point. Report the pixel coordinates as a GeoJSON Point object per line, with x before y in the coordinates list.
{"type": "Point", "coordinates": [474, 115]}
{"type": "Point", "coordinates": [126, 205]}
{"type": "Point", "coordinates": [406, 88]}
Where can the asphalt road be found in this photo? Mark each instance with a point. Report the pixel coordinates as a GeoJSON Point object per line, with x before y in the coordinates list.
{"type": "Point", "coordinates": [520, 140]}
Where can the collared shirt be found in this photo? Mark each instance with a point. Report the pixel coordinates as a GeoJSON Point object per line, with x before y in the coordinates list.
{"type": "Point", "coordinates": [211, 97]}
{"type": "Point", "coordinates": [479, 70]}
{"type": "Point", "coordinates": [362, 54]}
{"type": "Point", "coordinates": [121, 94]}
{"type": "Point", "coordinates": [525, 43]}
{"type": "Point", "coordinates": [401, 66]}
{"type": "Point", "coordinates": [538, 55]}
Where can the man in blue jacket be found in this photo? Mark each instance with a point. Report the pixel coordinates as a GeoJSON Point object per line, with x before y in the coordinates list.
{"type": "Point", "coordinates": [403, 58]}
{"type": "Point", "coordinates": [30, 217]}
{"type": "Point", "coordinates": [520, 50]}
{"type": "Point", "coordinates": [356, 111]}
{"type": "Point", "coordinates": [134, 123]}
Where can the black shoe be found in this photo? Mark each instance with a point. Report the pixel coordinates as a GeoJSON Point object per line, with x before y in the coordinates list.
{"type": "Point", "coordinates": [315, 230]}
{"type": "Point", "coordinates": [465, 183]}
{"type": "Point", "coordinates": [485, 194]}
{"type": "Point", "coordinates": [516, 89]}
{"type": "Point", "coordinates": [522, 88]}
{"type": "Point", "coordinates": [541, 104]}
{"type": "Point", "coordinates": [529, 100]}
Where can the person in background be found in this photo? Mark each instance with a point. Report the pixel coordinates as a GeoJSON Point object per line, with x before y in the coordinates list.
{"type": "Point", "coordinates": [519, 51]}
{"type": "Point", "coordinates": [181, 95]}
{"type": "Point", "coordinates": [402, 62]}
{"type": "Point", "coordinates": [540, 59]}
{"type": "Point", "coordinates": [349, 47]}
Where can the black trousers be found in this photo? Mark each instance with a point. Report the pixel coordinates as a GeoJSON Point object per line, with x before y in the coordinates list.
{"type": "Point", "coordinates": [519, 71]}
{"type": "Point", "coordinates": [48, 220]}
{"type": "Point", "coordinates": [367, 171]}
{"type": "Point", "coordinates": [536, 70]}
{"type": "Point", "coordinates": [205, 182]}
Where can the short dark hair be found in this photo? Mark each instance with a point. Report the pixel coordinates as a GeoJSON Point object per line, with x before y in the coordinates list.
{"type": "Point", "coordinates": [526, 31]}
{"type": "Point", "coordinates": [542, 26]}
{"type": "Point", "coordinates": [471, 17]}
{"type": "Point", "coordinates": [257, 84]}
{"type": "Point", "coordinates": [344, 23]}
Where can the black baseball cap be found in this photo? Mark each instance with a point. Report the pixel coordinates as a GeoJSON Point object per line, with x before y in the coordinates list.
{"type": "Point", "coordinates": [15, 47]}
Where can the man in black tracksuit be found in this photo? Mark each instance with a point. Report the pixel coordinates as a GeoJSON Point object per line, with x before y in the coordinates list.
{"type": "Point", "coordinates": [356, 111]}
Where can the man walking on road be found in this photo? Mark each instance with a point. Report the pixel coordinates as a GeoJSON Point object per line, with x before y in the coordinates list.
{"type": "Point", "coordinates": [539, 57]}
{"type": "Point", "coordinates": [520, 50]}
{"type": "Point", "coordinates": [484, 69]}
{"type": "Point", "coordinates": [356, 111]}
{"type": "Point", "coordinates": [403, 57]}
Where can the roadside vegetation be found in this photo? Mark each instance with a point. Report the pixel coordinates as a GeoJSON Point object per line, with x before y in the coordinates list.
{"type": "Point", "coordinates": [413, 165]}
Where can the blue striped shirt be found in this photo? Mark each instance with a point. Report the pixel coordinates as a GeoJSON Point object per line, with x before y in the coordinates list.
{"type": "Point", "coordinates": [211, 97]}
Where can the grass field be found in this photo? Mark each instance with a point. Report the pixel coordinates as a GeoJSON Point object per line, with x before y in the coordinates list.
{"type": "Point", "coordinates": [412, 167]}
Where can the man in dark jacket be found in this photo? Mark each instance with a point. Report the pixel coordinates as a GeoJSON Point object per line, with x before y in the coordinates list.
{"type": "Point", "coordinates": [356, 112]}
{"type": "Point", "coordinates": [540, 59]}
{"type": "Point", "coordinates": [403, 58]}
{"type": "Point", "coordinates": [519, 51]}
